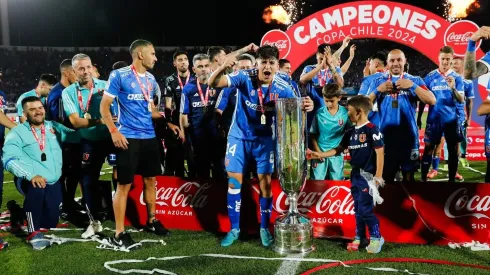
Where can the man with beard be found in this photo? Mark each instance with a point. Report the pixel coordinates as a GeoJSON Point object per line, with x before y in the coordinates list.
{"type": "Point", "coordinates": [81, 101]}
{"type": "Point", "coordinates": [443, 117]}
{"type": "Point", "coordinates": [474, 69]}
{"type": "Point", "coordinates": [137, 147]}
{"type": "Point", "coordinates": [177, 151]}
{"type": "Point", "coordinates": [396, 94]}
{"type": "Point", "coordinates": [250, 136]}
{"type": "Point", "coordinates": [33, 154]}
{"type": "Point", "coordinates": [196, 114]}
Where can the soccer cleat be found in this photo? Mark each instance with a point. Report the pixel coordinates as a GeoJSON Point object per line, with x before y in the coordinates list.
{"type": "Point", "coordinates": [3, 245]}
{"type": "Point", "coordinates": [354, 245]}
{"type": "Point", "coordinates": [94, 227]}
{"type": "Point", "coordinates": [432, 174]}
{"type": "Point", "coordinates": [375, 245]}
{"type": "Point", "coordinates": [459, 177]}
{"type": "Point", "coordinates": [157, 227]}
{"type": "Point", "coordinates": [230, 238]}
{"type": "Point", "coordinates": [464, 162]}
{"type": "Point", "coordinates": [124, 240]}
{"type": "Point", "coordinates": [37, 240]}
{"type": "Point", "coordinates": [444, 167]}
{"type": "Point", "coordinates": [266, 237]}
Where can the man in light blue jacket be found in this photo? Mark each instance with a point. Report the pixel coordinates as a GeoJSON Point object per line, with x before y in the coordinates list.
{"type": "Point", "coordinates": [33, 154]}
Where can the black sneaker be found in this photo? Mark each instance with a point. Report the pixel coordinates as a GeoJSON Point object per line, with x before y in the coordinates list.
{"type": "Point", "coordinates": [157, 227]}
{"type": "Point", "coordinates": [124, 240]}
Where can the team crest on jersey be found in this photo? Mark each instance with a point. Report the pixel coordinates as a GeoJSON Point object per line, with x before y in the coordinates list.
{"type": "Point", "coordinates": [341, 122]}
{"type": "Point", "coordinates": [362, 137]}
{"type": "Point", "coordinates": [133, 85]}
{"type": "Point", "coordinates": [227, 162]}
{"type": "Point", "coordinates": [252, 92]}
{"type": "Point", "coordinates": [487, 148]}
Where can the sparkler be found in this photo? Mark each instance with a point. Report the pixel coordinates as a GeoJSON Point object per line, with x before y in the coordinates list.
{"type": "Point", "coordinates": [457, 9]}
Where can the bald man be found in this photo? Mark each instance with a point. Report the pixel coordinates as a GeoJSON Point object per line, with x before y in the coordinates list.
{"type": "Point", "coordinates": [396, 94]}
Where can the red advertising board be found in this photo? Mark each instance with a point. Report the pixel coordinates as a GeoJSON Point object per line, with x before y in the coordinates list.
{"type": "Point", "coordinates": [418, 213]}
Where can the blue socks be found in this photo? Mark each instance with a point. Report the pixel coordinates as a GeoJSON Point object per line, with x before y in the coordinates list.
{"type": "Point", "coordinates": [265, 211]}
{"type": "Point", "coordinates": [234, 199]}
{"type": "Point", "coordinates": [435, 163]}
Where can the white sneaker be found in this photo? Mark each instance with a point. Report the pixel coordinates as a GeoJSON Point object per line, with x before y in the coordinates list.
{"type": "Point", "coordinates": [93, 228]}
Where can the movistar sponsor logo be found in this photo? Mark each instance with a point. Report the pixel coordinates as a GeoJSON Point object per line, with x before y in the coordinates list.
{"type": "Point", "coordinates": [136, 97]}
{"type": "Point", "coordinates": [256, 107]}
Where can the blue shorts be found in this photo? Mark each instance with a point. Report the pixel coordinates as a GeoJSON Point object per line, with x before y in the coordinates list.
{"type": "Point", "coordinates": [239, 152]}
{"type": "Point", "coordinates": [452, 131]}
{"type": "Point", "coordinates": [487, 143]}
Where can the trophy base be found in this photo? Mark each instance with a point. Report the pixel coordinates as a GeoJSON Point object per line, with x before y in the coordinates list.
{"type": "Point", "coordinates": [293, 234]}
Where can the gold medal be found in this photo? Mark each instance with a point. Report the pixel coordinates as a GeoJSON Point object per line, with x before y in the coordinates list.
{"type": "Point", "coordinates": [87, 116]}
{"type": "Point", "coordinates": [262, 119]}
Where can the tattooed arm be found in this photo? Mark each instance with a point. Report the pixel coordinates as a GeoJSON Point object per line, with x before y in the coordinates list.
{"type": "Point", "coordinates": [472, 68]}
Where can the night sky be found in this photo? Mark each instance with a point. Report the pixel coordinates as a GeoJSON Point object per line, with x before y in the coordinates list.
{"type": "Point", "coordinates": [165, 23]}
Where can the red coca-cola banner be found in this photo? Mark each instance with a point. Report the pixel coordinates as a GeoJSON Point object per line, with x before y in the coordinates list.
{"type": "Point", "coordinates": [419, 213]}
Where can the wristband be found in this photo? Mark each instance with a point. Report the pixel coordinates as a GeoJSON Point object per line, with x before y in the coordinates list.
{"type": "Point", "coordinates": [414, 87]}
{"type": "Point", "coordinates": [471, 46]}
{"type": "Point", "coordinates": [113, 130]}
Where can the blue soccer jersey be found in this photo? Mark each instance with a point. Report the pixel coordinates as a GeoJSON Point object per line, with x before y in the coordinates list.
{"type": "Point", "coordinates": [362, 141]}
{"type": "Point", "coordinates": [226, 102]}
{"type": "Point", "coordinates": [397, 110]}
{"type": "Point", "coordinates": [468, 94]}
{"type": "Point", "coordinates": [134, 117]}
{"type": "Point", "coordinates": [246, 123]}
{"type": "Point", "coordinates": [200, 113]}
{"type": "Point", "coordinates": [54, 104]}
{"type": "Point", "coordinates": [445, 110]}
{"type": "Point", "coordinates": [364, 90]}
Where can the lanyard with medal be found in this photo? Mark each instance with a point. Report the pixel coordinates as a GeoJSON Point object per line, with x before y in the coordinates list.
{"type": "Point", "coordinates": [146, 95]}
{"type": "Point", "coordinates": [180, 81]}
{"type": "Point", "coordinates": [394, 95]}
{"type": "Point", "coordinates": [42, 142]}
{"type": "Point", "coordinates": [261, 102]}
{"type": "Point", "coordinates": [203, 100]}
{"type": "Point", "coordinates": [322, 78]}
{"type": "Point", "coordinates": [80, 101]}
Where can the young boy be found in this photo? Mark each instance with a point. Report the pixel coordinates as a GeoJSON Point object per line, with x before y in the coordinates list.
{"type": "Point", "coordinates": [327, 130]}
{"type": "Point", "coordinates": [365, 144]}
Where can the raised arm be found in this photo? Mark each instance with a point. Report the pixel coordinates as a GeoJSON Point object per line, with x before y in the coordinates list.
{"type": "Point", "coordinates": [472, 68]}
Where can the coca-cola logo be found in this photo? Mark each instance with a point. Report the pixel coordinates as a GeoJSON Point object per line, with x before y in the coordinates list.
{"type": "Point", "coordinates": [458, 34]}
{"type": "Point", "coordinates": [279, 39]}
{"type": "Point", "coordinates": [190, 194]}
{"type": "Point", "coordinates": [459, 204]}
{"type": "Point", "coordinates": [335, 200]}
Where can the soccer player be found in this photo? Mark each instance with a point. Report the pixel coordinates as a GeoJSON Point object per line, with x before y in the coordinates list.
{"type": "Point", "coordinates": [81, 101]}
{"type": "Point", "coordinates": [225, 105]}
{"type": "Point", "coordinates": [250, 135]}
{"type": "Point", "coordinates": [177, 151]}
{"type": "Point", "coordinates": [365, 144]}
{"type": "Point", "coordinates": [33, 154]}
{"type": "Point", "coordinates": [375, 68]}
{"type": "Point", "coordinates": [72, 158]}
{"type": "Point", "coordinates": [347, 63]}
{"type": "Point", "coordinates": [285, 67]}
{"type": "Point", "coordinates": [197, 113]}
{"type": "Point", "coordinates": [135, 138]}
{"type": "Point", "coordinates": [396, 94]}
{"type": "Point", "coordinates": [217, 56]}
{"type": "Point", "coordinates": [46, 83]}
{"type": "Point", "coordinates": [4, 122]}
{"type": "Point", "coordinates": [447, 87]}
{"type": "Point", "coordinates": [474, 69]}
{"type": "Point", "coordinates": [327, 130]}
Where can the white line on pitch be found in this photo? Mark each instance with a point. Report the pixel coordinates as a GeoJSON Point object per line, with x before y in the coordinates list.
{"type": "Point", "coordinates": [289, 267]}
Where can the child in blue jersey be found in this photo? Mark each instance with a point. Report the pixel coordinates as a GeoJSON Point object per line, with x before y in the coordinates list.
{"type": "Point", "coordinates": [327, 130]}
{"type": "Point", "coordinates": [250, 135]}
{"type": "Point", "coordinates": [365, 144]}
{"type": "Point", "coordinates": [396, 94]}
{"type": "Point", "coordinates": [375, 68]}
{"type": "Point", "coordinates": [447, 87]}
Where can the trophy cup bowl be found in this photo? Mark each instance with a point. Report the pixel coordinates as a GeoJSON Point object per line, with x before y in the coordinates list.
{"type": "Point", "coordinates": [293, 231]}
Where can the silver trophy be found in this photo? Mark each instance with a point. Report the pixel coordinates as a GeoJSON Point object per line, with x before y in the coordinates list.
{"type": "Point", "coordinates": [293, 231]}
